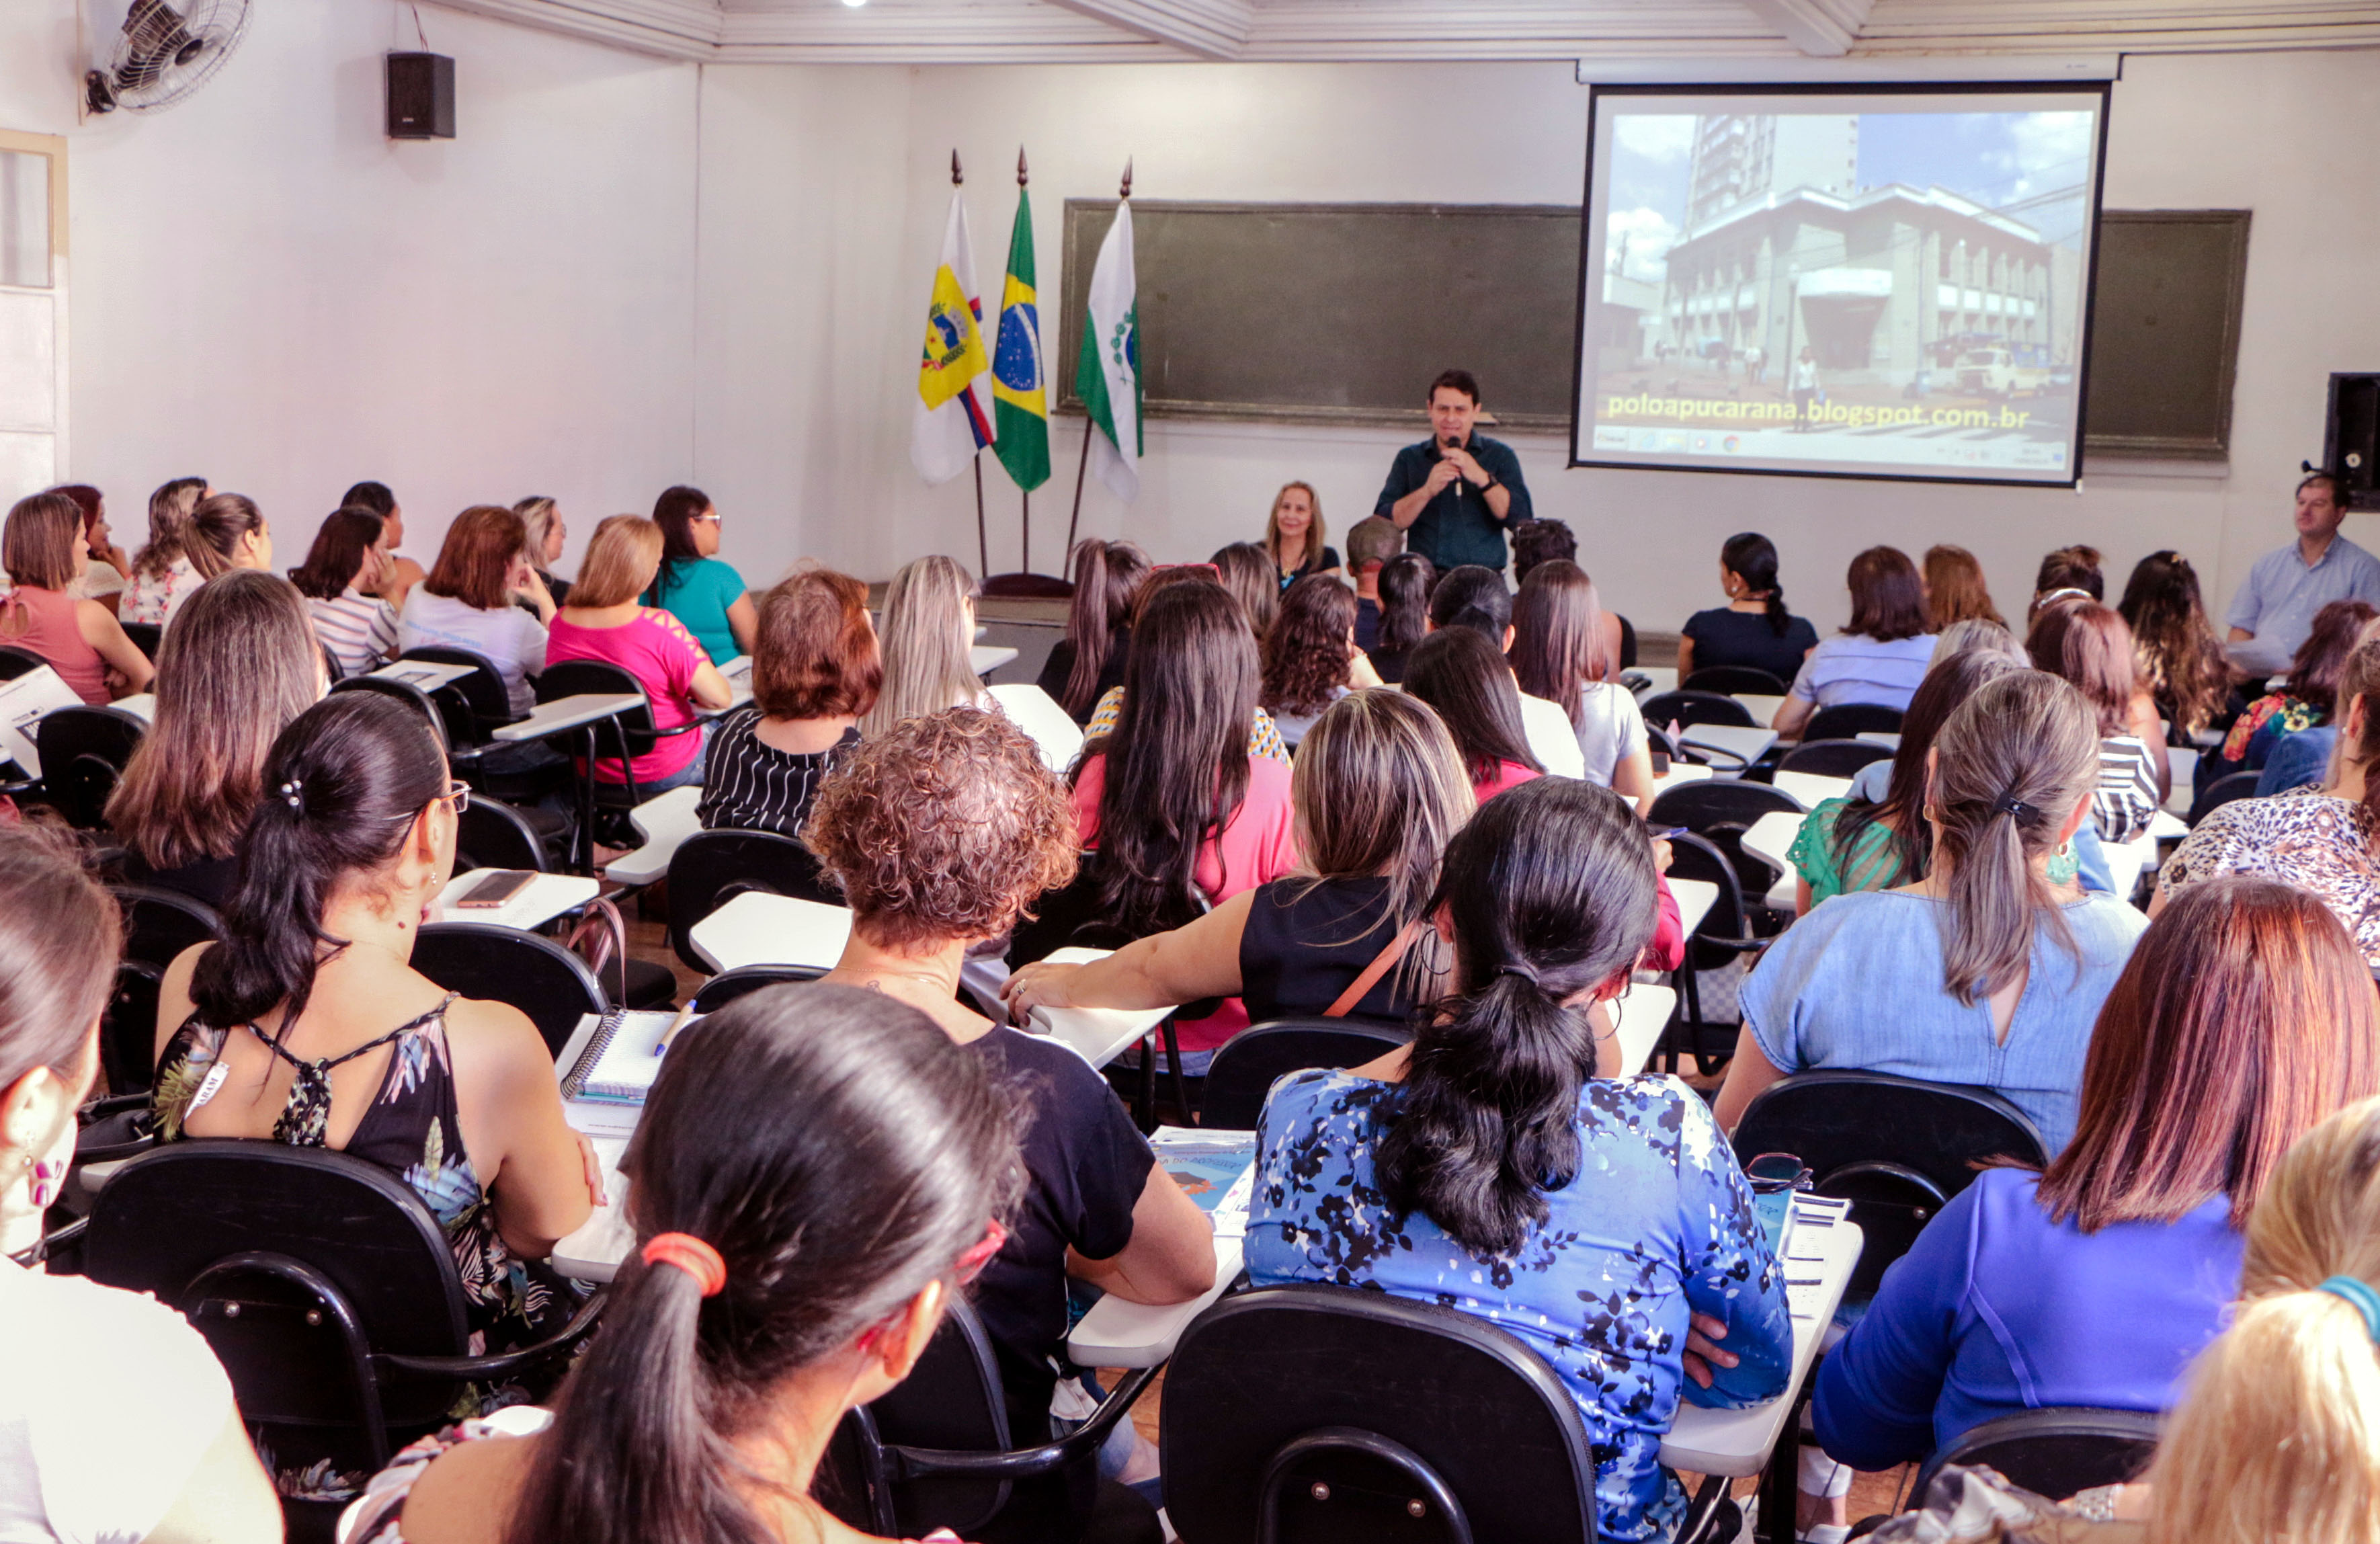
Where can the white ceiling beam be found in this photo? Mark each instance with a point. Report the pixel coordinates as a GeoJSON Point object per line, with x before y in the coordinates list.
{"type": "Point", "coordinates": [1821, 28]}
{"type": "Point", "coordinates": [672, 29]}
{"type": "Point", "coordinates": [1210, 29]}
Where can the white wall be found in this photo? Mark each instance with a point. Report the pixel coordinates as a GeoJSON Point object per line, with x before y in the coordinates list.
{"type": "Point", "coordinates": [270, 293]}
{"type": "Point", "coordinates": [2272, 132]}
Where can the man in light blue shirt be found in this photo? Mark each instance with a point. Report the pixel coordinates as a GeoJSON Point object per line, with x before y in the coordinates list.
{"type": "Point", "coordinates": [2273, 611]}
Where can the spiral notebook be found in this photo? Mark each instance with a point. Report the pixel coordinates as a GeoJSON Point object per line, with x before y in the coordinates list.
{"type": "Point", "coordinates": [621, 1059]}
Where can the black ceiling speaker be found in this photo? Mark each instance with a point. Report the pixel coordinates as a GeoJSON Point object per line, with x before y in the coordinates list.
{"type": "Point", "coordinates": [420, 96]}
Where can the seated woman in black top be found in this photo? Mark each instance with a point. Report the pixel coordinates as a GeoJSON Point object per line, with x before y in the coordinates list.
{"type": "Point", "coordinates": [940, 831]}
{"type": "Point", "coordinates": [1378, 790]}
{"type": "Point", "coordinates": [1753, 628]}
{"type": "Point", "coordinates": [1405, 582]}
{"type": "Point", "coordinates": [238, 664]}
{"type": "Point", "coordinates": [815, 670]}
{"type": "Point", "coordinates": [1088, 662]}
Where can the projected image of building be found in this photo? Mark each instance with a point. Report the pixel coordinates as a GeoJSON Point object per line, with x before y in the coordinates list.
{"type": "Point", "coordinates": [1891, 286]}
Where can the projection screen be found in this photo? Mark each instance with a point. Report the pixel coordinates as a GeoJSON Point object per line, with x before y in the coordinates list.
{"type": "Point", "coordinates": [1886, 282]}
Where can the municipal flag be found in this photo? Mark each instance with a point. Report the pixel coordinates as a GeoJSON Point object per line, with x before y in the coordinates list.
{"type": "Point", "coordinates": [1107, 374]}
{"type": "Point", "coordinates": [951, 423]}
{"type": "Point", "coordinates": [1020, 415]}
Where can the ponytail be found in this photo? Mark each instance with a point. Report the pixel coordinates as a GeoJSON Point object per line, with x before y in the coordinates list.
{"type": "Point", "coordinates": [838, 1153]}
{"type": "Point", "coordinates": [1752, 557]}
{"type": "Point", "coordinates": [211, 534]}
{"type": "Point", "coordinates": [169, 514]}
{"type": "Point", "coordinates": [1551, 891]}
{"type": "Point", "coordinates": [341, 786]}
{"type": "Point", "coordinates": [1106, 574]}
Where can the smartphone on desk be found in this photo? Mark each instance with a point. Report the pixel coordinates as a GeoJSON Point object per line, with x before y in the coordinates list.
{"type": "Point", "coordinates": [500, 886]}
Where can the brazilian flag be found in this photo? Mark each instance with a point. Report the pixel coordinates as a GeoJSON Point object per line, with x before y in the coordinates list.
{"type": "Point", "coordinates": [1020, 414]}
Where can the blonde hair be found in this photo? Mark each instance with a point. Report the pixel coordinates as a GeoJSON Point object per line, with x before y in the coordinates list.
{"type": "Point", "coordinates": [537, 519]}
{"type": "Point", "coordinates": [2278, 1439]}
{"type": "Point", "coordinates": [622, 558]}
{"type": "Point", "coordinates": [924, 642]}
{"type": "Point", "coordinates": [1310, 560]}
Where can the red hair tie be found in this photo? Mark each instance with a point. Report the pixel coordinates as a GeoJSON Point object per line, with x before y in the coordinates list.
{"type": "Point", "coordinates": [690, 1254]}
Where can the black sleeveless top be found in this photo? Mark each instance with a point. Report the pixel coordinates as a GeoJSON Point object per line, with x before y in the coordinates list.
{"type": "Point", "coordinates": [1305, 943]}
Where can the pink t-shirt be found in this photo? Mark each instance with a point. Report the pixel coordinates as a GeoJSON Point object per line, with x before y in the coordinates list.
{"type": "Point", "coordinates": [53, 632]}
{"type": "Point", "coordinates": [656, 649]}
{"type": "Point", "coordinates": [1509, 774]}
{"type": "Point", "coordinates": [1258, 847]}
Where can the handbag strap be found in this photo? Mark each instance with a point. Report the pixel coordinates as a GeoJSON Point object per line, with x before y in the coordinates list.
{"type": "Point", "coordinates": [1380, 966]}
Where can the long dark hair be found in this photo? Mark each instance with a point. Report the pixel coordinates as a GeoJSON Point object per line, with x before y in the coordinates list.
{"type": "Point", "coordinates": [1106, 573]}
{"type": "Point", "coordinates": [1459, 673]}
{"type": "Point", "coordinates": [674, 512]}
{"type": "Point", "coordinates": [2322, 658]}
{"type": "Point", "coordinates": [1305, 657]}
{"type": "Point", "coordinates": [371, 495]}
{"type": "Point", "coordinates": [337, 554]}
{"type": "Point", "coordinates": [2179, 653]}
{"type": "Point", "coordinates": [1951, 681]}
{"type": "Point", "coordinates": [1557, 643]}
{"type": "Point", "coordinates": [1177, 761]}
{"type": "Point", "coordinates": [1550, 889]}
{"type": "Point", "coordinates": [341, 785]}
{"type": "Point", "coordinates": [1405, 582]}
{"type": "Point", "coordinates": [1752, 557]}
{"type": "Point", "coordinates": [840, 1153]}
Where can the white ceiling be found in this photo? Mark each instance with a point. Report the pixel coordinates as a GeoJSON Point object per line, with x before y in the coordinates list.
{"type": "Point", "coordinates": [957, 31]}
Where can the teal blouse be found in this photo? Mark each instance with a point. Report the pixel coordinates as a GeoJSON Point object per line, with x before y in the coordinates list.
{"type": "Point", "coordinates": [699, 593]}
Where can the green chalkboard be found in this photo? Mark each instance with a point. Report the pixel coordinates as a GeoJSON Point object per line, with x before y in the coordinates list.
{"type": "Point", "coordinates": [1339, 312]}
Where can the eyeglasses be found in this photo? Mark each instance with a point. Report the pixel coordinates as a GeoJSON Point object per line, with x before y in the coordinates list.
{"type": "Point", "coordinates": [708, 520]}
{"type": "Point", "coordinates": [458, 794]}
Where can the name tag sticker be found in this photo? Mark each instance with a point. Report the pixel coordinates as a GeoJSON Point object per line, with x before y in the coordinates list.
{"type": "Point", "coordinates": [214, 1080]}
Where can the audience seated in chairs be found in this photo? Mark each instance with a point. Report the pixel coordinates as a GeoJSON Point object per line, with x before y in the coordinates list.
{"type": "Point", "coordinates": [118, 1422]}
{"type": "Point", "coordinates": [2089, 645]}
{"type": "Point", "coordinates": [604, 622]}
{"type": "Point", "coordinates": [1264, 740]}
{"type": "Point", "coordinates": [1378, 791]}
{"type": "Point", "coordinates": [2244, 1016]}
{"type": "Point", "coordinates": [2319, 839]}
{"type": "Point", "coordinates": [339, 579]}
{"type": "Point", "coordinates": [817, 1171]}
{"type": "Point", "coordinates": [467, 600]}
{"type": "Point", "coordinates": [1474, 597]}
{"type": "Point", "coordinates": [1460, 674]}
{"type": "Point", "coordinates": [2307, 700]}
{"type": "Point", "coordinates": [1310, 658]}
{"type": "Point", "coordinates": [1753, 629]}
{"type": "Point", "coordinates": [1088, 662]}
{"type": "Point", "coordinates": [815, 674]}
{"type": "Point", "coordinates": [1488, 1168]}
{"type": "Point", "coordinates": [1880, 658]}
{"type": "Point", "coordinates": [344, 1045]}
{"type": "Point", "coordinates": [1986, 971]}
{"type": "Point", "coordinates": [238, 664]}
{"type": "Point", "coordinates": [1560, 653]}
{"type": "Point", "coordinates": [928, 632]}
{"type": "Point", "coordinates": [940, 831]}
{"type": "Point", "coordinates": [43, 552]}
{"type": "Point", "coordinates": [1405, 582]}
{"type": "Point", "coordinates": [2272, 1439]}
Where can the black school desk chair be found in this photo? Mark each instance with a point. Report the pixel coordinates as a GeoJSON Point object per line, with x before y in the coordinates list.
{"type": "Point", "coordinates": [2214, 796]}
{"type": "Point", "coordinates": [1849, 721]}
{"type": "Point", "coordinates": [1325, 1415]}
{"type": "Point", "coordinates": [936, 1452]}
{"type": "Point", "coordinates": [1690, 707]}
{"type": "Point", "coordinates": [746, 979]}
{"type": "Point", "coordinates": [498, 963]}
{"type": "Point", "coordinates": [147, 637]}
{"type": "Point", "coordinates": [322, 1284]}
{"type": "Point", "coordinates": [403, 691]}
{"type": "Point", "coordinates": [1729, 679]}
{"type": "Point", "coordinates": [1730, 929]}
{"type": "Point", "coordinates": [1898, 1148]}
{"type": "Point", "coordinates": [18, 661]}
{"type": "Point", "coordinates": [619, 739]}
{"type": "Point", "coordinates": [1248, 1066]}
{"type": "Point", "coordinates": [2055, 1451]}
{"type": "Point", "coordinates": [483, 691]}
{"type": "Point", "coordinates": [159, 924]}
{"type": "Point", "coordinates": [84, 751]}
{"type": "Point", "coordinates": [712, 867]}
{"type": "Point", "coordinates": [1834, 758]}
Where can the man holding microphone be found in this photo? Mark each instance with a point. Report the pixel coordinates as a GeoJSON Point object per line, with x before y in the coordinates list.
{"type": "Point", "coordinates": [1454, 493]}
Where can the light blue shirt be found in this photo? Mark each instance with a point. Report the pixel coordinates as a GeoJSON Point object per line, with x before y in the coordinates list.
{"type": "Point", "coordinates": [1853, 668]}
{"type": "Point", "coordinates": [1858, 984]}
{"type": "Point", "coordinates": [2278, 601]}
{"type": "Point", "coordinates": [1873, 781]}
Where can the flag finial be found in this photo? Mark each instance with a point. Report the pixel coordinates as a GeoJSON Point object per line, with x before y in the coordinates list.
{"type": "Point", "coordinates": [957, 177]}
{"type": "Point", "coordinates": [1126, 192]}
{"type": "Point", "coordinates": [1020, 165]}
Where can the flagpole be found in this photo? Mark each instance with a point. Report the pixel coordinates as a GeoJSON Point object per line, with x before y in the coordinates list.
{"type": "Point", "coordinates": [982, 542]}
{"type": "Point", "coordinates": [1024, 495]}
{"type": "Point", "coordinates": [1123, 194]}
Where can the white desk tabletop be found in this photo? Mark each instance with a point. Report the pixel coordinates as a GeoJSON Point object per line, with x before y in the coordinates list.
{"type": "Point", "coordinates": [429, 675]}
{"type": "Point", "coordinates": [140, 705]}
{"type": "Point", "coordinates": [1738, 1443]}
{"type": "Point", "coordinates": [1811, 788]}
{"type": "Point", "coordinates": [2128, 860]}
{"type": "Point", "coordinates": [1037, 713]}
{"type": "Point", "coordinates": [545, 897]}
{"type": "Point", "coordinates": [1645, 1012]}
{"type": "Point", "coordinates": [1734, 738]}
{"type": "Point", "coordinates": [1679, 771]}
{"type": "Point", "coordinates": [738, 671]}
{"type": "Point", "coordinates": [1882, 736]}
{"type": "Point", "coordinates": [754, 929]}
{"type": "Point", "coordinates": [985, 658]}
{"type": "Point", "coordinates": [570, 712]}
{"type": "Point", "coordinates": [1097, 1035]}
{"type": "Point", "coordinates": [1695, 898]}
{"type": "Point", "coordinates": [1661, 677]}
{"type": "Point", "coordinates": [1762, 707]}
{"type": "Point", "coordinates": [664, 824]}
{"type": "Point", "coordinates": [1771, 837]}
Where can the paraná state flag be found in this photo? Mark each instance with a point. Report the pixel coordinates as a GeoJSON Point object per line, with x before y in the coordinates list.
{"type": "Point", "coordinates": [952, 422]}
{"type": "Point", "coordinates": [1107, 373]}
{"type": "Point", "coordinates": [1020, 412]}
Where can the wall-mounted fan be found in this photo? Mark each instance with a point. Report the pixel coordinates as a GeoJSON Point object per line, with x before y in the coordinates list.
{"type": "Point", "coordinates": [152, 55]}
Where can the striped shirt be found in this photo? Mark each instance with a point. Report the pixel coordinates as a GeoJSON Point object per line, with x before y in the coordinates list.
{"type": "Point", "coordinates": [748, 784]}
{"type": "Point", "coordinates": [2126, 799]}
{"type": "Point", "coordinates": [359, 630]}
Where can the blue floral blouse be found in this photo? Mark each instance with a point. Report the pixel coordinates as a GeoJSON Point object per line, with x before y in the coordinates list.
{"type": "Point", "coordinates": [1657, 1223]}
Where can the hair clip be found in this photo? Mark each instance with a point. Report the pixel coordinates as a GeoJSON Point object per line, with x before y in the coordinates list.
{"type": "Point", "coordinates": [2009, 804]}
{"type": "Point", "coordinates": [293, 791]}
